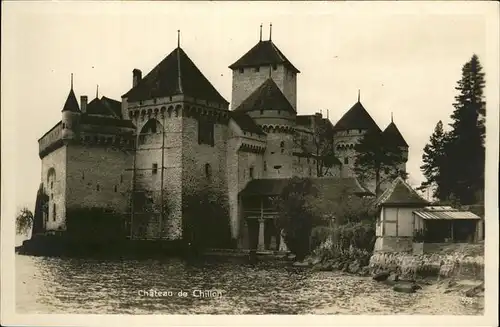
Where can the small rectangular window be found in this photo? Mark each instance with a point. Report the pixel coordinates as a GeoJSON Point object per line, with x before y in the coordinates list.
{"type": "Point", "coordinates": [242, 70]}
{"type": "Point", "coordinates": [116, 188]}
{"type": "Point", "coordinates": [206, 130]}
{"type": "Point", "coordinates": [346, 160]}
{"type": "Point", "coordinates": [54, 212]}
{"type": "Point", "coordinates": [257, 69]}
{"type": "Point", "coordinates": [275, 67]}
{"type": "Point", "coordinates": [251, 172]}
{"type": "Point", "coordinates": [155, 168]}
{"type": "Point", "coordinates": [265, 166]}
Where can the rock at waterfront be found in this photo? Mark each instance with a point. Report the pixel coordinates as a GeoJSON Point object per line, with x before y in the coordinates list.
{"type": "Point", "coordinates": [291, 256]}
{"type": "Point", "coordinates": [474, 290]}
{"type": "Point", "coordinates": [300, 264]}
{"type": "Point", "coordinates": [381, 276]}
{"type": "Point", "coordinates": [354, 267]}
{"type": "Point", "coordinates": [405, 287]}
{"type": "Point", "coordinates": [393, 277]}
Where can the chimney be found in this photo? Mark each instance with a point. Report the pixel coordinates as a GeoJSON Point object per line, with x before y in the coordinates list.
{"type": "Point", "coordinates": [83, 103]}
{"type": "Point", "coordinates": [137, 76]}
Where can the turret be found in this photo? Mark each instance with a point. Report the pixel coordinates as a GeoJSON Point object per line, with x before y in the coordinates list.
{"type": "Point", "coordinates": [70, 115]}
{"type": "Point", "coordinates": [260, 63]}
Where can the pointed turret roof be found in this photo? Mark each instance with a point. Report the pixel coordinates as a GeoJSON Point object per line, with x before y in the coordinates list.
{"type": "Point", "coordinates": [356, 118]}
{"type": "Point", "coordinates": [392, 134]}
{"type": "Point", "coordinates": [400, 193]}
{"type": "Point", "coordinates": [263, 53]}
{"type": "Point", "coordinates": [176, 74]}
{"type": "Point", "coordinates": [71, 103]}
{"type": "Point", "coordinates": [267, 96]}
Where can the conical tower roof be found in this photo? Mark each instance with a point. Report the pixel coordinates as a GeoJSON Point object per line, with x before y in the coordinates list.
{"type": "Point", "coordinates": [71, 103]}
{"type": "Point", "coordinates": [267, 96]}
{"type": "Point", "coordinates": [176, 74]}
{"type": "Point", "coordinates": [356, 118]}
{"type": "Point", "coordinates": [392, 134]}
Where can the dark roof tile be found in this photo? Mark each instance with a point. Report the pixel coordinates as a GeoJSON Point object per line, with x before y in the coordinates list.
{"type": "Point", "coordinates": [266, 96]}
{"type": "Point", "coordinates": [356, 118]}
{"type": "Point", "coordinates": [392, 134]}
{"type": "Point", "coordinates": [106, 121]}
{"type": "Point", "coordinates": [176, 74]}
{"type": "Point", "coordinates": [71, 104]}
{"type": "Point", "coordinates": [400, 193]}
{"type": "Point", "coordinates": [246, 123]}
{"type": "Point", "coordinates": [332, 186]}
{"type": "Point", "coordinates": [263, 53]}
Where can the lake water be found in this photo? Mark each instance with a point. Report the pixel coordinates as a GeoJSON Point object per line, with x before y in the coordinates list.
{"type": "Point", "coordinates": [233, 286]}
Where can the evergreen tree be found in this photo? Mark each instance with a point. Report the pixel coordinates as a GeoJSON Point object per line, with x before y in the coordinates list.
{"type": "Point", "coordinates": [434, 168]}
{"type": "Point", "coordinates": [378, 159]}
{"type": "Point", "coordinates": [465, 148]}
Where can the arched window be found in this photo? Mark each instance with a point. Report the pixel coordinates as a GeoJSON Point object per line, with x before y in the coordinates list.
{"type": "Point", "coordinates": [208, 171]}
{"type": "Point", "coordinates": [152, 126]}
{"type": "Point", "coordinates": [54, 212]}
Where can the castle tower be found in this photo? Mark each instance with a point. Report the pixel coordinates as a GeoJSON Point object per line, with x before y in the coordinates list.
{"type": "Point", "coordinates": [392, 134]}
{"type": "Point", "coordinates": [271, 110]}
{"type": "Point", "coordinates": [348, 131]}
{"type": "Point", "coordinates": [181, 126]}
{"type": "Point", "coordinates": [260, 63]}
{"type": "Point", "coordinates": [70, 115]}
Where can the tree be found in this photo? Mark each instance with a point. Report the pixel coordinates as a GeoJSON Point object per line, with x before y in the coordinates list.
{"type": "Point", "coordinates": [319, 144]}
{"type": "Point", "coordinates": [434, 167]}
{"type": "Point", "coordinates": [24, 221]}
{"type": "Point", "coordinates": [295, 216]}
{"type": "Point", "coordinates": [465, 147]}
{"type": "Point", "coordinates": [378, 159]}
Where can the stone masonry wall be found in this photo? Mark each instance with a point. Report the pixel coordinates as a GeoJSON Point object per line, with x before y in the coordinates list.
{"type": "Point", "coordinates": [248, 81]}
{"type": "Point", "coordinates": [55, 163]}
{"type": "Point", "coordinates": [99, 176]}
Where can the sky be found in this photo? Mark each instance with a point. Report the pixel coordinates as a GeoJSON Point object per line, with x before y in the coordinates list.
{"type": "Point", "coordinates": [404, 59]}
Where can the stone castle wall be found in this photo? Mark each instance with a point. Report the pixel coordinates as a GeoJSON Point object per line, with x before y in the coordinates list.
{"type": "Point", "coordinates": [56, 187]}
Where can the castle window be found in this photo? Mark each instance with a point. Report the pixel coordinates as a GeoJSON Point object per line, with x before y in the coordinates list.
{"type": "Point", "coordinates": [347, 131]}
{"type": "Point", "coordinates": [279, 112]}
{"type": "Point", "coordinates": [116, 188]}
{"type": "Point", "coordinates": [208, 171]}
{"type": "Point", "coordinates": [242, 70]}
{"type": "Point", "coordinates": [346, 160]}
{"type": "Point", "coordinates": [265, 166]}
{"type": "Point", "coordinates": [98, 188]}
{"type": "Point", "coordinates": [282, 146]}
{"type": "Point", "coordinates": [257, 69]}
{"type": "Point", "coordinates": [54, 212]}
{"type": "Point", "coordinates": [63, 125]}
{"type": "Point", "coordinates": [121, 178]}
{"type": "Point", "coordinates": [275, 67]}
{"type": "Point", "coordinates": [83, 175]}
{"type": "Point", "coordinates": [251, 172]}
{"type": "Point", "coordinates": [51, 185]}
{"type": "Point", "coordinates": [360, 131]}
{"type": "Point", "coordinates": [155, 169]}
{"type": "Point", "coordinates": [206, 132]}
{"type": "Point", "coordinates": [153, 128]}
{"type": "Point", "coordinates": [51, 196]}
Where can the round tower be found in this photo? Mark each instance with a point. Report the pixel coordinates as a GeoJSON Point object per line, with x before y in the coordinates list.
{"type": "Point", "coordinates": [70, 117]}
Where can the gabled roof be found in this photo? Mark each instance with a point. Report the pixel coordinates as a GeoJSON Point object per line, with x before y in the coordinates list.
{"type": "Point", "coordinates": [356, 118]}
{"type": "Point", "coordinates": [176, 74]}
{"type": "Point", "coordinates": [71, 103]}
{"type": "Point", "coordinates": [400, 193]}
{"type": "Point", "coordinates": [246, 123]}
{"type": "Point", "coordinates": [263, 53]}
{"type": "Point", "coordinates": [392, 134]}
{"type": "Point", "coordinates": [331, 186]}
{"type": "Point", "coordinates": [267, 96]}
{"type": "Point", "coordinates": [104, 106]}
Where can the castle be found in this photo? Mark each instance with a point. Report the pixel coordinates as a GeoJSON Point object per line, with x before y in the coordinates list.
{"type": "Point", "coordinates": [172, 134]}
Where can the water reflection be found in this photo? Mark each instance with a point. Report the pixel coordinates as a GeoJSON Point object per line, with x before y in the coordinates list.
{"type": "Point", "coordinates": [62, 285]}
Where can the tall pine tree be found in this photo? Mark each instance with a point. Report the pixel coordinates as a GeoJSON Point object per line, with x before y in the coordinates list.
{"type": "Point", "coordinates": [454, 161]}
{"type": "Point", "coordinates": [434, 167]}
{"type": "Point", "coordinates": [465, 148]}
